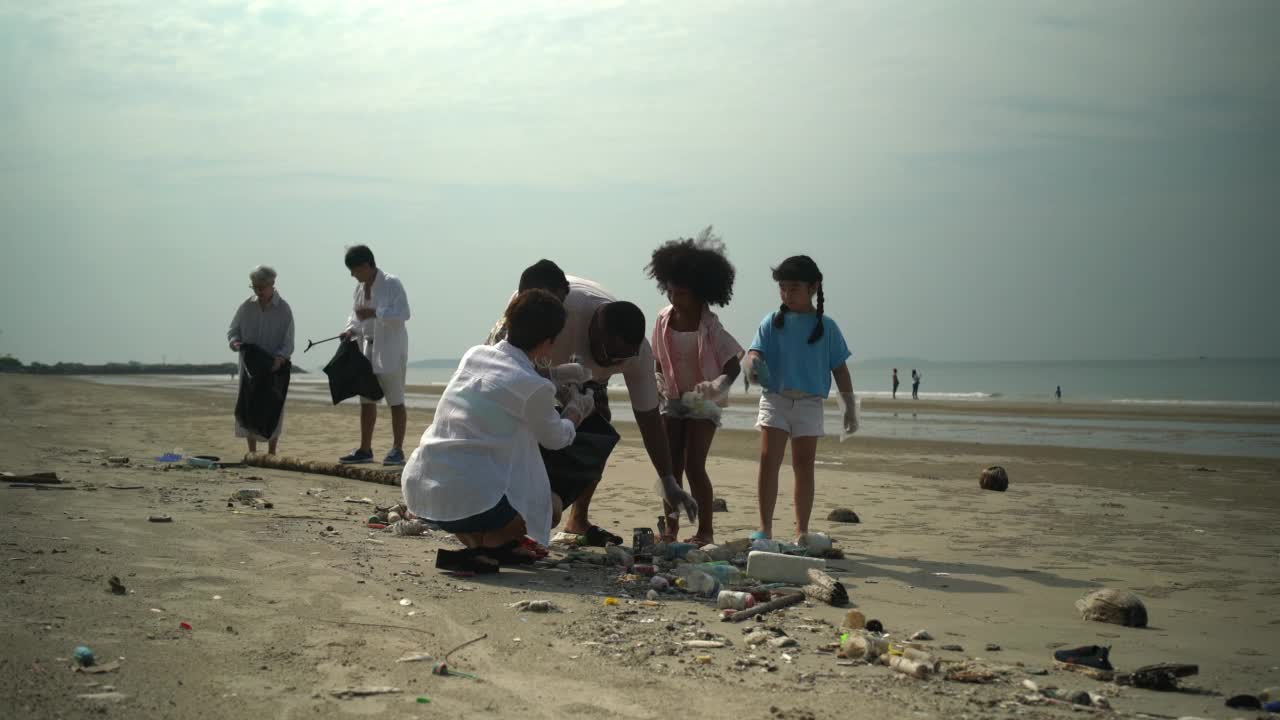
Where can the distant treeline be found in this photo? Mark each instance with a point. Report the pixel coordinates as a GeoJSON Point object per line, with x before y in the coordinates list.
{"type": "Point", "coordinates": [13, 365]}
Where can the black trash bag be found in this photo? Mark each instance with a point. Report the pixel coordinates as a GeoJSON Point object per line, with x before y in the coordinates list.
{"type": "Point", "coordinates": [574, 468]}
{"type": "Point", "coordinates": [262, 392]}
{"type": "Point", "coordinates": [351, 374]}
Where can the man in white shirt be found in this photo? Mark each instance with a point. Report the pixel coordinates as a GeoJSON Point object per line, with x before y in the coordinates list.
{"type": "Point", "coordinates": [380, 309]}
{"type": "Point", "coordinates": [603, 337]}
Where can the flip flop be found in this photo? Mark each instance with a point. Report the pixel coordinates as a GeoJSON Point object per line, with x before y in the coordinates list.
{"type": "Point", "coordinates": [532, 546]}
{"type": "Point", "coordinates": [697, 541]}
{"type": "Point", "coordinates": [512, 553]}
{"type": "Point", "coordinates": [468, 560]}
{"type": "Point", "coordinates": [596, 536]}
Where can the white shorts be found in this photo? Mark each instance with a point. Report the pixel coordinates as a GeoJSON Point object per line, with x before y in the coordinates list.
{"type": "Point", "coordinates": [392, 384]}
{"type": "Point", "coordinates": [800, 417]}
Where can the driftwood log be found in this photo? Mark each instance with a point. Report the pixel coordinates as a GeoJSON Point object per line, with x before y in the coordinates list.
{"type": "Point", "coordinates": [319, 467]}
{"type": "Point", "coordinates": [783, 602]}
{"type": "Point", "coordinates": [38, 478]}
{"type": "Point", "coordinates": [824, 588]}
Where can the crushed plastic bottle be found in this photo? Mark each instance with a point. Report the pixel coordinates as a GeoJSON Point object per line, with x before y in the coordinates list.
{"type": "Point", "coordinates": [702, 584]}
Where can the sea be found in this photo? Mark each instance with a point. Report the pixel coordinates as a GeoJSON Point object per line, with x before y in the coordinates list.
{"type": "Point", "coordinates": [1193, 383]}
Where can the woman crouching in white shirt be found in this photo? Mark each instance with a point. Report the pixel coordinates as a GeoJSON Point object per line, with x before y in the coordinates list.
{"type": "Point", "coordinates": [477, 472]}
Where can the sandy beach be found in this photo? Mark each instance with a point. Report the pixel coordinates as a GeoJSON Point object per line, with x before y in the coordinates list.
{"type": "Point", "coordinates": [288, 605]}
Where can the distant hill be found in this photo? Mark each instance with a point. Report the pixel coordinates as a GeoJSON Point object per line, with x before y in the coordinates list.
{"type": "Point", "coordinates": [13, 365]}
{"type": "Point", "coordinates": [447, 364]}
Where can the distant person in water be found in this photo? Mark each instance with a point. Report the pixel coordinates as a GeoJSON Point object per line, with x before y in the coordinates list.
{"type": "Point", "coordinates": [1058, 393]}
{"type": "Point", "coordinates": [915, 384]}
{"type": "Point", "coordinates": [895, 383]}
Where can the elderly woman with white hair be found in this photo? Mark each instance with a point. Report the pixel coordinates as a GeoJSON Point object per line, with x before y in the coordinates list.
{"type": "Point", "coordinates": [262, 332]}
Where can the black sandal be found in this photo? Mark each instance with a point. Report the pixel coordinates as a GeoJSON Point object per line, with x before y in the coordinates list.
{"type": "Point", "coordinates": [469, 560]}
{"type": "Point", "coordinates": [596, 536]}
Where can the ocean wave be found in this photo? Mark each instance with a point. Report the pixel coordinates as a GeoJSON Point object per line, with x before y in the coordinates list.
{"type": "Point", "coordinates": [931, 395]}
{"type": "Point", "coordinates": [1264, 404]}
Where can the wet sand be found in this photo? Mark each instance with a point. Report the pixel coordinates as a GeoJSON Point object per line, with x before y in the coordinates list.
{"type": "Point", "coordinates": [1193, 536]}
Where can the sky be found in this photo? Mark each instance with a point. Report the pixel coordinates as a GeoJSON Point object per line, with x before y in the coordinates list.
{"type": "Point", "coordinates": [981, 180]}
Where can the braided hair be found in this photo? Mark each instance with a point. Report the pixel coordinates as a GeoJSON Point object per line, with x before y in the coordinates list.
{"type": "Point", "coordinates": [800, 268]}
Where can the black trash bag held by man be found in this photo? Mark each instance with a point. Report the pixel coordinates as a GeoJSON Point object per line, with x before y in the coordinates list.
{"type": "Point", "coordinates": [350, 374]}
{"type": "Point", "coordinates": [262, 392]}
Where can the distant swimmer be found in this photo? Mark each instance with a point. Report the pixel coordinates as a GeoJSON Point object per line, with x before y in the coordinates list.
{"type": "Point", "coordinates": [1058, 392]}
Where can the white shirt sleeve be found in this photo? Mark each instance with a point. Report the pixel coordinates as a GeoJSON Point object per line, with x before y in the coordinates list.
{"type": "Point", "coordinates": [552, 431]}
{"type": "Point", "coordinates": [353, 323]}
{"type": "Point", "coordinates": [233, 332]}
{"type": "Point", "coordinates": [641, 385]}
{"type": "Point", "coordinates": [394, 305]}
{"type": "Point", "coordinates": [286, 345]}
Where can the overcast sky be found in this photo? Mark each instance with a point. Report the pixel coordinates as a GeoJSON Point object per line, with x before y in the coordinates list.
{"type": "Point", "coordinates": [1013, 180]}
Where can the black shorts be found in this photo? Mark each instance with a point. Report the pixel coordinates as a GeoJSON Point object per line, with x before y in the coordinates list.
{"type": "Point", "coordinates": [577, 467]}
{"type": "Point", "coordinates": [495, 518]}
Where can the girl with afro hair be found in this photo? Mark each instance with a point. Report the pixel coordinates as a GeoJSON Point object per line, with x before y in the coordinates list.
{"type": "Point", "coordinates": [696, 361]}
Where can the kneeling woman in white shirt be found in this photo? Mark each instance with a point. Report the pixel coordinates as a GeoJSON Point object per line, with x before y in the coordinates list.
{"type": "Point", "coordinates": [477, 472]}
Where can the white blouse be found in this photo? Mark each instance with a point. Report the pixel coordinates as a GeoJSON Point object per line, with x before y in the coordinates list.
{"type": "Point", "coordinates": [483, 442]}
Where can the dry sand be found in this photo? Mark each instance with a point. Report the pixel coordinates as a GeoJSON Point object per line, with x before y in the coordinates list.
{"type": "Point", "coordinates": [1192, 536]}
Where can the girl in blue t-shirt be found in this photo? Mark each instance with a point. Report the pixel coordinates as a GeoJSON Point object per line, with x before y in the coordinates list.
{"type": "Point", "coordinates": [796, 352]}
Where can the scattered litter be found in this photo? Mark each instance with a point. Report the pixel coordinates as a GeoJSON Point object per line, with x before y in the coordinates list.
{"type": "Point", "coordinates": [111, 696]}
{"type": "Point", "coordinates": [118, 460]}
{"type": "Point", "coordinates": [359, 501]}
{"type": "Point", "coordinates": [537, 606]}
{"type": "Point", "coordinates": [169, 457]}
{"type": "Point", "coordinates": [921, 636]}
{"type": "Point", "coordinates": [783, 642]}
{"type": "Point", "coordinates": [719, 505]}
{"type": "Point", "coordinates": [423, 700]}
{"type": "Point", "coordinates": [970, 672]}
{"type": "Point", "coordinates": [415, 657]}
{"type": "Point", "coordinates": [124, 487]}
{"type": "Point", "coordinates": [703, 659]}
{"type": "Point", "coordinates": [1091, 660]}
{"type": "Point", "coordinates": [610, 601]}
{"type": "Point", "coordinates": [99, 669]}
{"type": "Point", "coordinates": [1163, 676]}
{"type": "Point", "coordinates": [117, 587]}
{"type": "Point", "coordinates": [83, 656]}
{"type": "Point", "coordinates": [992, 647]}
{"type": "Point", "coordinates": [184, 625]}
{"type": "Point", "coordinates": [994, 478]}
{"type": "Point", "coordinates": [408, 528]}
{"type": "Point", "coordinates": [843, 515]}
{"type": "Point", "coordinates": [703, 644]}
{"type": "Point", "coordinates": [160, 519]}
{"type": "Point", "coordinates": [405, 602]}
{"type": "Point", "coordinates": [953, 648]}
{"type": "Point", "coordinates": [208, 462]}
{"type": "Point", "coordinates": [875, 626]}
{"type": "Point", "coordinates": [1113, 606]}
{"type": "Point", "coordinates": [217, 597]}
{"type": "Point", "coordinates": [348, 693]}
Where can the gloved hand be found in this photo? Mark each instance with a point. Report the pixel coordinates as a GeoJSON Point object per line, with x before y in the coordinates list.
{"type": "Point", "coordinates": [757, 370]}
{"type": "Point", "coordinates": [570, 374]}
{"type": "Point", "coordinates": [713, 390]}
{"type": "Point", "coordinates": [579, 407]}
{"type": "Point", "coordinates": [677, 497]}
{"type": "Point", "coordinates": [661, 381]}
{"type": "Point", "coordinates": [849, 404]}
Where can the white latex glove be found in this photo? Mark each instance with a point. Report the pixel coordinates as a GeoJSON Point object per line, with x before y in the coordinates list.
{"type": "Point", "coordinates": [579, 407]}
{"type": "Point", "coordinates": [570, 374]}
{"type": "Point", "coordinates": [713, 390]}
{"type": "Point", "coordinates": [757, 370]}
{"type": "Point", "coordinates": [661, 381]}
{"type": "Point", "coordinates": [849, 405]}
{"type": "Point", "coordinates": [677, 497]}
